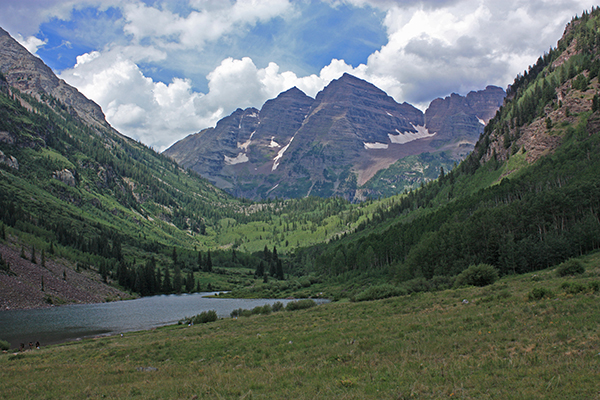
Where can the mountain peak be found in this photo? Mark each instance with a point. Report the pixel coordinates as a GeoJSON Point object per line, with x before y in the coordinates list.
{"type": "Point", "coordinates": [30, 75]}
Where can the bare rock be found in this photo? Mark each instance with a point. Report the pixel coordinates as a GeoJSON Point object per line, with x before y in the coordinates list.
{"type": "Point", "coordinates": [11, 161]}
{"type": "Point", "coordinates": [66, 177]}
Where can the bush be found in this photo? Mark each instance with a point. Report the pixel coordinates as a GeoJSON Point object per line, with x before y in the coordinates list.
{"type": "Point", "coordinates": [477, 275]}
{"type": "Point", "coordinates": [539, 293]}
{"type": "Point", "coordinates": [300, 305]}
{"type": "Point", "coordinates": [417, 285]}
{"type": "Point", "coordinates": [277, 306]}
{"type": "Point", "coordinates": [570, 267]}
{"type": "Point", "coordinates": [379, 292]}
{"type": "Point", "coordinates": [4, 345]}
{"type": "Point", "coordinates": [595, 286]}
{"type": "Point", "coordinates": [573, 287]}
{"type": "Point", "coordinates": [202, 318]}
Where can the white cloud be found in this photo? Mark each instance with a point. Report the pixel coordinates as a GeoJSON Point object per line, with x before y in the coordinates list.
{"type": "Point", "coordinates": [208, 21]}
{"type": "Point", "coordinates": [32, 44]}
{"type": "Point", "coordinates": [434, 47]}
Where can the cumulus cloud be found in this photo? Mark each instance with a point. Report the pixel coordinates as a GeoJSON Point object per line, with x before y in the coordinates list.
{"type": "Point", "coordinates": [433, 48]}
{"type": "Point", "coordinates": [32, 44]}
{"type": "Point", "coordinates": [207, 21]}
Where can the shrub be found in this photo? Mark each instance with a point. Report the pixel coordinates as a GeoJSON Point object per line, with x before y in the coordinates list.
{"type": "Point", "coordinates": [477, 275]}
{"type": "Point", "coordinates": [570, 267]}
{"type": "Point", "coordinates": [202, 318]}
{"type": "Point", "coordinates": [417, 285]}
{"type": "Point", "coordinates": [539, 293]}
{"type": "Point", "coordinates": [277, 306]}
{"type": "Point", "coordinates": [441, 282]}
{"type": "Point", "coordinates": [379, 292]}
{"type": "Point", "coordinates": [4, 345]}
{"type": "Point", "coordinates": [573, 287]}
{"type": "Point", "coordinates": [595, 285]}
{"type": "Point", "coordinates": [300, 305]}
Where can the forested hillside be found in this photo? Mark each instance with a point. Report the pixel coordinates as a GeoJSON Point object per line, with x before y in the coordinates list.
{"type": "Point", "coordinates": [527, 198]}
{"type": "Point", "coordinates": [106, 203]}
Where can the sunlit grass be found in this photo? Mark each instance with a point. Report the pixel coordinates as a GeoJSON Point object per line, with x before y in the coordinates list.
{"type": "Point", "coordinates": [431, 345]}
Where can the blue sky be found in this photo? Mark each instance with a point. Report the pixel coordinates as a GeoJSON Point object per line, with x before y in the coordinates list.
{"type": "Point", "coordinates": [164, 69]}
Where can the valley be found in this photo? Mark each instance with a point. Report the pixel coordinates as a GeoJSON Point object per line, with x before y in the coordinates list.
{"type": "Point", "coordinates": [463, 263]}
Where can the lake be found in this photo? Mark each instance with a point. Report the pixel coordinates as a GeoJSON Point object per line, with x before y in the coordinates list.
{"type": "Point", "coordinates": [71, 322]}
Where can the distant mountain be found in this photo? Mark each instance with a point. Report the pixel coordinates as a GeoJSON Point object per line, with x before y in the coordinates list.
{"type": "Point", "coordinates": [332, 145]}
{"type": "Point", "coordinates": [525, 199]}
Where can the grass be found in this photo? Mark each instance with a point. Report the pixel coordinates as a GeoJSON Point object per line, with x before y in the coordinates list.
{"type": "Point", "coordinates": [429, 346]}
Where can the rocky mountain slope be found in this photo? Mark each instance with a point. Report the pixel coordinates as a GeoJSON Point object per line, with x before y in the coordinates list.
{"type": "Point", "coordinates": [334, 144]}
{"type": "Point", "coordinates": [30, 75]}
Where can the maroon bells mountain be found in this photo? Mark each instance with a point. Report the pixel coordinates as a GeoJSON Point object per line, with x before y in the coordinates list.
{"type": "Point", "coordinates": [332, 145]}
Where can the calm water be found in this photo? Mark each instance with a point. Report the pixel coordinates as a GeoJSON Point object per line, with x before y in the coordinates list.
{"type": "Point", "coordinates": [71, 322]}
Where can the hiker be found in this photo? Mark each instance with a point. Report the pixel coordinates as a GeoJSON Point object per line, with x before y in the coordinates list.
{"type": "Point", "coordinates": [37, 345]}
{"type": "Point", "coordinates": [30, 345]}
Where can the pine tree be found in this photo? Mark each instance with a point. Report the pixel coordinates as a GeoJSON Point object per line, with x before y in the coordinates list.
{"type": "Point", "coordinates": [166, 287]}
{"type": "Point", "coordinates": [280, 270]}
{"type": "Point", "coordinates": [189, 282]}
{"type": "Point", "coordinates": [44, 259]}
{"type": "Point", "coordinates": [174, 256]}
{"type": "Point", "coordinates": [33, 259]}
{"type": "Point", "coordinates": [208, 263]}
{"type": "Point", "coordinates": [260, 270]}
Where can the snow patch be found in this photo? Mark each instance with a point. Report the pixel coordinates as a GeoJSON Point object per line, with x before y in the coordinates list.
{"type": "Point", "coordinates": [277, 158]}
{"type": "Point", "coordinates": [274, 143]}
{"type": "Point", "coordinates": [241, 158]}
{"type": "Point", "coordinates": [482, 122]}
{"type": "Point", "coordinates": [374, 146]}
{"type": "Point", "coordinates": [405, 137]}
{"type": "Point", "coordinates": [273, 188]}
{"type": "Point", "coordinates": [389, 114]}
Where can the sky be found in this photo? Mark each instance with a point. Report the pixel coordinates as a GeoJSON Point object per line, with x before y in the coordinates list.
{"type": "Point", "coordinates": [162, 70]}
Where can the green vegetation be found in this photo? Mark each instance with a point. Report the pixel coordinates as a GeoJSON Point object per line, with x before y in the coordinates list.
{"type": "Point", "coordinates": [477, 275]}
{"type": "Point", "coordinates": [202, 318]}
{"type": "Point", "coordinates": [570, 267]}
{"type": "Point", "coordinates": [428, 346]}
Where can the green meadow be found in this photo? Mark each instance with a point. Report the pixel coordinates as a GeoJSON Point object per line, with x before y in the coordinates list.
{"type": "Point", "coordinates": [532, 336]}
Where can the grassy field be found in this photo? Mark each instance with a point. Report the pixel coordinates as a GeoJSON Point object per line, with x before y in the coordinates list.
{"type": "Point", "coordinates": [502, 344]}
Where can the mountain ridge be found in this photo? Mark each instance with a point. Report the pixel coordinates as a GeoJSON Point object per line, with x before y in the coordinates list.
{"type": "Point", "coordinates": [350, 131]}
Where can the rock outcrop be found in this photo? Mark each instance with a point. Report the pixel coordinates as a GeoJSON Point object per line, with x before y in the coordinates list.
{"type": "Point", "coordinates": [65, 176]}
{"type": "Point", "coordinates": [11, 161]}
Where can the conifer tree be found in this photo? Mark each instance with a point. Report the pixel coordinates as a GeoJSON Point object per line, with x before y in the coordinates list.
{"type": "Point", "coordinates": [280, 270]}
{"type": "Point", "coordinates": [208, 263]}
{"type": "Point", "coordinates": [260, 270]}
{"type": "Point", "coordinates": [43, 262]}
{"type": "Point", "coordinates": [177, 279]}
{"type": "Point", "coordinates": [33, 259]}
{"type": "Point", "coordinates": [166, 287]}
{"type": "Point", "coordinates": [189, 282]}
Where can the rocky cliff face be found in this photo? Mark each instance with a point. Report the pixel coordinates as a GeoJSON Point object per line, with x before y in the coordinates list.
{"type": "Point", "coordinates": [30, 75]}
{"type": "Point", "coordinates": [331, 145]}
{"type": "Point", "coordinates": [458, 117]}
